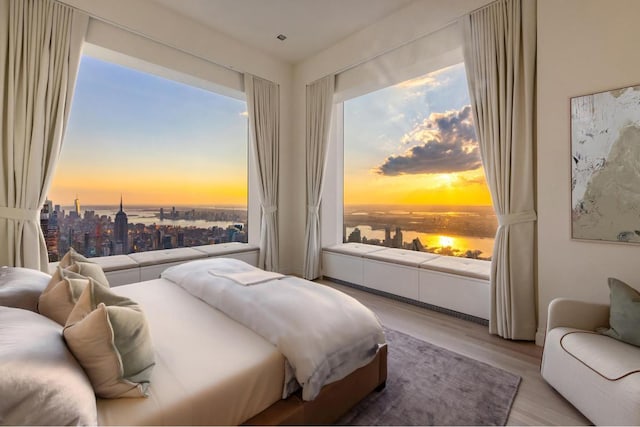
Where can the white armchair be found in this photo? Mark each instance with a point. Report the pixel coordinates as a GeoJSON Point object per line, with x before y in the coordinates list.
{"type": "Point", "coordinates": [599, 375]}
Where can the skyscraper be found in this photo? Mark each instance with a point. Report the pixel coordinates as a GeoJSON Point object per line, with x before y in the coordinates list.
{"type": "Point", "coordinates": [76, 204]}
{"type": "Point", "coordinates": [121, 232]}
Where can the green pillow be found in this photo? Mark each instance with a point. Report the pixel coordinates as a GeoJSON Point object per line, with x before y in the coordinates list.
{"type": "Point", "coordinates": [108, 334]}
{"type": "Point", "coordinates": [624, 315]}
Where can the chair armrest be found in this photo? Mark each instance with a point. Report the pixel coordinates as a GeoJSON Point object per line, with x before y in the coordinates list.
{"type": "Point", "coordinates": [577, 314]}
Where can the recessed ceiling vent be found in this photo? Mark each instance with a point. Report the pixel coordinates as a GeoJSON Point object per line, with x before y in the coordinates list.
{"type": "Point", "coordinates": [281, 37]}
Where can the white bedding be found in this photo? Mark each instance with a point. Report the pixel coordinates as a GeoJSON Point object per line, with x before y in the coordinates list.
{"type": "Point", "coordinates": [323, 333]}
{"type": "Point", "coordinates": [210, 369]}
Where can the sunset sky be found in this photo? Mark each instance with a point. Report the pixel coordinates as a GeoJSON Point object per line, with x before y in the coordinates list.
{"type": "Point", "coordinates": [160, 142]}
{"type": "Point", "coordinates": [414, 143]}
{"type": "Point", "coordinates": [153, 140]}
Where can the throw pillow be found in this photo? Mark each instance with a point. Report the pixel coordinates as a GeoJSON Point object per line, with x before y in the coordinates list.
{"type": "Point", "coordinates": [624, 314]}
{"type": "Point", "coordinates": [21, 287]}
{"type": "Point", "coordinates": [73, 261]}
{"type": "Point", "coordinates": [109, 336]}
{"type": "Point", "coordinates": [59, 299]}
{"type": "Point", "coordinates": [71, 257]}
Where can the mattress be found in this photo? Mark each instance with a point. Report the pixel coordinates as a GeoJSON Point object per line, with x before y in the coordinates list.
{"type": "Point", "coordinates": [209, 368]}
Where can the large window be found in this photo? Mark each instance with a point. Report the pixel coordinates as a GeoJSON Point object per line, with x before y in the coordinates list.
{"type": "Point", "coordinates": [413, 175]}
{"type": "Point", "coordinates": [147, 163]}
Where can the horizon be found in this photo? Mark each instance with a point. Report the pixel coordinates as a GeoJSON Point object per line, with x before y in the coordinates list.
{"type": "Point", "coordinates": [155, 140]}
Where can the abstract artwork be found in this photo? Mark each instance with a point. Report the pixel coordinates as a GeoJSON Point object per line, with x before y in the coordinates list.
{"type": "Point", "coordinates": [605, 166]}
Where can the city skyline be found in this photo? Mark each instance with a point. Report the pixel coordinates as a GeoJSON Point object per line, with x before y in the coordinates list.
{"type": "Point", "coordinates": [414, 143]}
{"type": "Point", "coordinates": [163, 141]}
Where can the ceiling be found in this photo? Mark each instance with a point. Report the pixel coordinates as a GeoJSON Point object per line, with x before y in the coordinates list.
{"type": "Point", "coordinates": [310, 25]}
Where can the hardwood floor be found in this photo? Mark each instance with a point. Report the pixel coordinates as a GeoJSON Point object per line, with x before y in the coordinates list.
{"type": "Point", "coordinates": [536, 402]}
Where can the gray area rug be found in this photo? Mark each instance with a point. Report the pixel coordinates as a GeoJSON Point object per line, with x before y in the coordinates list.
{"type": "Point", "coordinates": [429, 385]}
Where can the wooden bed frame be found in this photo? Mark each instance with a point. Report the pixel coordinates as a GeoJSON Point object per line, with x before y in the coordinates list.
{"type": "Point", "coordinates": [334, 400]}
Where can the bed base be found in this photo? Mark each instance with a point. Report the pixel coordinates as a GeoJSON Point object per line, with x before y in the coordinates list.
{"type": "Point", "coordinates": [334, 400]}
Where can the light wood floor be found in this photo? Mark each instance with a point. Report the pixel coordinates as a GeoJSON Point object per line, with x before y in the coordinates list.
{"type": "Point", "coordinates": [536, 402]}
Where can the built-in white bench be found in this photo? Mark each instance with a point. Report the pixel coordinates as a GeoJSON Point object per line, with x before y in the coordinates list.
{"type": "Point", "coordinates": [119, 269]}
{"type": "Point", "coordinates": [136, 267]}
{"type": "Point", "coordinates": [152, 263]}
{"type": "Point", "coordinates": [452, 283]}
{"type": "Point", "coordinates": [241, 251]}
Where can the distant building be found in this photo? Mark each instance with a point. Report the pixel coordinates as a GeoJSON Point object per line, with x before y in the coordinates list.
{"type": "Point", "coordinates": [398, 241]}
{"type": "Point", "coordinates": [417, 245]}
{"type": "Point", "coordinates": [121, 232]}
{"type": "Point", "coordinates": [76, 205]}
{"type": "Point", "coordinates": [355, 236]}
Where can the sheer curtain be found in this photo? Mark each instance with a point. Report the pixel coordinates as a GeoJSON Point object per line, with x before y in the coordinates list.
{"type": "Point", "coordinates": [319, 111]}
{"type": "Point", "coordinates": [40, 49]}
{"type": "Point", "coordinates": [500, 58]}
{"type": "Point", "coordinates": [263, 106]}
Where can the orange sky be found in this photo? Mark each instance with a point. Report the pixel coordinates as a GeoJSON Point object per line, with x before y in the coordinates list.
{"type": "Point", "coordinates": [460, 188]}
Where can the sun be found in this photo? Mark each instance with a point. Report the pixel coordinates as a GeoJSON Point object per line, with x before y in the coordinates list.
{"type": "Point", "coordinates": [445, 241]}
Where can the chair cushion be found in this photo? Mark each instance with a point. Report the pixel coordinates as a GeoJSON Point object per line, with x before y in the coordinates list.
{"type": "Point", "coordinates": [402, 256]}
{"type": "Point", "coordinates": [469, 267]}
{"type": "Point", "coordinates": [608, 357]}
{"type": "Point", "coordinates": [165, 256]}
{"type": "Point", "coordinates": [357, 249]}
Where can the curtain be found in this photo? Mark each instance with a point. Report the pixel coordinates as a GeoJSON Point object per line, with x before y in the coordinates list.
{"type": "Point", "coordinates": [500, 56]}
{"type": "Point", "coordinates": [263, 105]}
{"type": "Point", "coordinates": [319, 111]}
{"type": "Point", "coordinates": [40, 49]}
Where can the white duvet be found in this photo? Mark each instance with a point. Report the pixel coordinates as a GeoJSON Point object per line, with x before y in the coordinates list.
{"type": "Point", "coordinates": [323, 333]}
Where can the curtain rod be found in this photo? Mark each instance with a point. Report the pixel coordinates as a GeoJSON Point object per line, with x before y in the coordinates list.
{"type": "Point", "coordinates": [146, 36]}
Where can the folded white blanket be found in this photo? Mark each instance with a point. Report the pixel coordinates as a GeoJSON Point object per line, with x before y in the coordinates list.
{"type": "Point", "coordinates": [323, 333]}
{"type": "Point", "coordinates": [251, 276]}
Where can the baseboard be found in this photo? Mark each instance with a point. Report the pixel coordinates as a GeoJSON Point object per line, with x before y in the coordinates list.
{"type": "Point", "coordinates": [540, 337]}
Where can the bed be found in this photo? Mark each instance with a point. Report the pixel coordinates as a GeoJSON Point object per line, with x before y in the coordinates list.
{"type": "Point", "coordinates": [211, 369]}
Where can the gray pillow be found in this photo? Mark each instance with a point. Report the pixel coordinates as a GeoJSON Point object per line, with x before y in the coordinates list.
{"type": "Point", "coordinates": [109, 335]}
{"type": "Point", "coordinates": [21, 287]}
{"type": "Point", "coordinates": [41, 383]}
{"type": "Point", "coordinates": [624, 315]}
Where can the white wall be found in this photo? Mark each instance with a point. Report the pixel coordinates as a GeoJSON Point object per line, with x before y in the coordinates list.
{"type": "Point", "coordinates": [148, 19]}
{"type": "Point", "coordinates": [584, 46]}
{"type": "Point", "coordinates": [419, 18]}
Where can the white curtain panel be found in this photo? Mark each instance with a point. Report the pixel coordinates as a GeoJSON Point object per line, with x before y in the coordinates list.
{"type": "Point", "coordinates": [318, 124]}
{"type": "Point", "coordinates": [40, 49]}
{"type": "Point", "coordinates": [500, 59]}
{"type": "Point", "coordinates": [263, 105]}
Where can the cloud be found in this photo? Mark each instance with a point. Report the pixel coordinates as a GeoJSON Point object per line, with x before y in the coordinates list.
{"type": "Point", "coordinates": [442, 143]}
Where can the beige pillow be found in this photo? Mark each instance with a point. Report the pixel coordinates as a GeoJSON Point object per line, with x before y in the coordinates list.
{"type": "Point", "coordinates": [57, 301]}
{"type": "Point", "coordinates": [109, 336]}
{"type": "Point", "coordinates": [72, 257]}
{"type": "Point", "coordinates": [77, 263]}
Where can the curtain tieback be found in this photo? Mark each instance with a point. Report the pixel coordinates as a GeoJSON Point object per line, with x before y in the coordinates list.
{"type": "Point", "coordinates": [516, 218]}
{"type": "Point", "coordinates": [312, 209]}
{"type": "Point", "coordinates": [20, 214]}
{"type": "Point", "coordinates": [269, 209]}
